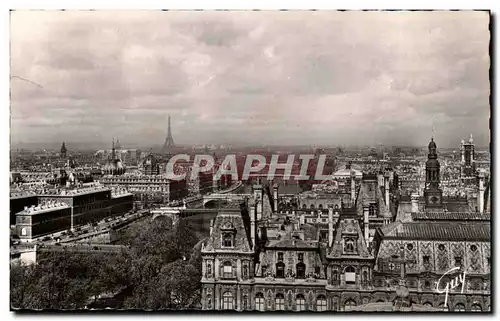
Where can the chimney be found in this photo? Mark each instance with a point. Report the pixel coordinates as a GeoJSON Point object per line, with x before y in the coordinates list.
{"type": "Point", "coordinates": [353, 188]}
{"type": "Point", "coordinates": [366, 225]}
{"type": "Point", "coordinates": [480, 200]}
{"type": "Point", "coordinates": [275, 197]}
{"type": "Point", "coordinates": [252, 206]}
{"type": "Point", "coordinates": [258, 194]}
{"type": "Point", "coordinates": [414, 202]}
{"type": "Point", "coordinates": [330, 226]}
{"type": "Point", "coordinates": [386, 190]}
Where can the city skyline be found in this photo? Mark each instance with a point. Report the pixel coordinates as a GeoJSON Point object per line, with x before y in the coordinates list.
{"type": "Point", "coordinates": [250, 79]}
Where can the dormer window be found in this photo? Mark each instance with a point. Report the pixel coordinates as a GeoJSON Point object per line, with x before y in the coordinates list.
{"type": "Point", "coordinates": [227, 240]}
{"type": "Point", "coordinates": [227, 270]}
{"type": "Point", "coordinates": [349, 245]}
{"type": "Point", "coordinates": [228, 232]}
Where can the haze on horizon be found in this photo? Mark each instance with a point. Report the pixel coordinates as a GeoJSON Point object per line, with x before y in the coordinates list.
{"type": "Point", "coordinates": [244, 77]}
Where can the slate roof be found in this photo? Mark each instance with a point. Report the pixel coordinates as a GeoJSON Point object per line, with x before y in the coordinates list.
{"type": "Point", "coordinates": [351, 227]}
{"type": "Point", "coordinates": [228, 219]}
{"type": "Point", "coordinates": [449, 231]}
{"type": "Point", "coordinates": [451, 216]}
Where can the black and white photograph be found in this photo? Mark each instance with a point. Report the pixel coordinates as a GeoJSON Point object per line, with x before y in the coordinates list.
{"type": "Point", "coordinates": [276, 161]}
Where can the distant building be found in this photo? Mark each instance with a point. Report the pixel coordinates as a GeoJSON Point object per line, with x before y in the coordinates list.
{"type": "Point", "coordinates": [63, 150]}
{"type": "Point", "coordinates": [65, 209]}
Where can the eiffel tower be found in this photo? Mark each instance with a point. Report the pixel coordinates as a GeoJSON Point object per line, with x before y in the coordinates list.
{"type": "Point", "coordinates": [169, 141]}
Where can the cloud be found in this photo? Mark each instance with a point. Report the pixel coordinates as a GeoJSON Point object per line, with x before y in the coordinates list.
{"type": "Point", "coordinates": [321, 77]}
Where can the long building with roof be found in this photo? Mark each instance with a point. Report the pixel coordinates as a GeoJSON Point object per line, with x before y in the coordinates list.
{"type": "Point", "coordinates": [373, 253]}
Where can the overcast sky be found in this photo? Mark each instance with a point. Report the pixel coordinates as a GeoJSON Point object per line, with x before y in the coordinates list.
{"type": "Point", "coordinates": [334, 78]}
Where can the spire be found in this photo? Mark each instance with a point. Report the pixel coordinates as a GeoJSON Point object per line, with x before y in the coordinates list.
{"type": "Point", "coordinates": [113, 153]}
{"type": "Point", "coordinates": [169, 141]}
{"type": "Point", "coordinates": [471, 140]}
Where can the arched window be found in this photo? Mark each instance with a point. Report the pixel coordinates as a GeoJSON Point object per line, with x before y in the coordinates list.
{"type": "Point", "coordinates": [280, 270]}
{"type": "Point", "coordinates": [23, 231]}
{"type": "Point", "coordinates": [350, 274]}
{"type": "Point", "coordinates": [227, 301]}
{"type": "Point", "coordinates": [245, 271]}
{"type": "Point", "coordinates": [245, 302]}
{"type": "Point", "coordinates": [459, 307]}
{"type": "Point", "coordinates": [227, 270]}
{"type": "Point", "coordinates": [476, 308]}
{"type": "Point", "coordinates": [301, 270]}
{"type": "Point", "coordinates": [321, 303]}
{"type": "Point", "coordinates": [349, 246]}
{"type": "Point", "coordinates": [335, 275]}
{"type": "Point", "coordinates": [304, 206]}
{"type": "Point", "coordinates": [300, 302]}
{"type": "Point", "coordinates": [349, 303]}
{"type": "Point", "coordinates": [280, 302]}
{"type": "Point", "coordinates": [428, 304]}
{"type": "Point", "coordinates": [259, 301]}
{"type": "Point", "coordinates": [312, 206]}
{"type": "Point", "coordinates": [320, 206]}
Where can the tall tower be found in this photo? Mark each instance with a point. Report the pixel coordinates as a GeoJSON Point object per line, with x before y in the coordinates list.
{"type": "Point", "coordinates": [432, 193]}
{"type": "Point", "coordinates": [169, 141]}
{"type": "Point", "coordinates": [63, 150]}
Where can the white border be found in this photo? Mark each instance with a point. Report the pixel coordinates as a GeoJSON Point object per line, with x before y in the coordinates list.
{"type": "Point", "coordinates": [149, 4]}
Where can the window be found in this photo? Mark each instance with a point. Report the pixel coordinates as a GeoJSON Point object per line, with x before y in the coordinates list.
{"type": "Point", "coordinates": [320, 206]}
{"type": "Point", "coordinates": [280, 257]}
{"type": "Point", "coordinates": [349, 303]}
{"type": "Point", "coordinates": [458, 261]}
{"type": "Point", "coordinates": [245, 304]}
{"type": "Point", "coordinates": [409, 247]}
{"type": "Point", "coordinates": [426, 259]}
{"type": "Point", "coordinates": [259, 302]}
{"type": "Point", "coordinates": [441, 247]}
{"type": "Point", "coordinates": [301, 270]}
{"type": "Point", "coordinates": [459, 308]}
{"type": "Point", "coordinates": [300, 302]}
{"type": "Point", "coordinates": [312, 206]}
{"type": "Point", "coordinates": [23, 231]}
{"type": "Point", "coordinates": [335, 275]}
{"type": "Point", "coordinates": [245, 271]}
{"type": "Point", "coordinates": [228, 270]}
{"type": "Point", "coordinates": [350, 274]}
{"type": "Point", "coordinates": [280, 270]}
{"type": "Point", "coordinates": [227, 301]}
{"type": "Point", "coordinates": [321, 303]}
{"type": "Point", "coordinates": [209, 301]}
{"type": "Point", "coordinates": [280, 302]}
{"type": "Point", "coordinates": [476, 308]}
{"type": "Point", "coordinates": [349, 245]}
{"type": "Point", "coordinates": [227, 240]}
{"type": "Point", "coordinates": [428, 304]}
{"type": "Point", "coordinates": [473, 248]}
{"type": "Point", "coordinates": [304, 207]}
{"type": "Point", "coordinates": [301, 257]}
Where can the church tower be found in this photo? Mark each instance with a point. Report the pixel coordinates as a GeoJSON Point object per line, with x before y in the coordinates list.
{"type": "Point", "coordinates": [63, 150]}
{"type": "Point", "coordinates": [169, 141]}
{"type": "Point", "coordinates": [433, 194]}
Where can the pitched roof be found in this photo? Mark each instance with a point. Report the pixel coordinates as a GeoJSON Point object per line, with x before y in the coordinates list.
{"type": "Point", "coordinates": [351, 227]}
{"type": "Point", "coordinates": [450, 231]}
{"type": "Point", "coordinates": [228, 220]}
{"type": "Point", "coordinates": [451, 216]}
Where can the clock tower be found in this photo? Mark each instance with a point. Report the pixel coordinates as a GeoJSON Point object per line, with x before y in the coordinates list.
{"type": "Point", "coordinates": [432, 193]}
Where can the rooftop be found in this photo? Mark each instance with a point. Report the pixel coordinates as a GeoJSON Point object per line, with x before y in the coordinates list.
{"type": "Point", "coordinates": [449, 231]}
{"type": "Point", "coordinates": [451, 216]}
{"type": "Point", "coordinates": [43, 208]}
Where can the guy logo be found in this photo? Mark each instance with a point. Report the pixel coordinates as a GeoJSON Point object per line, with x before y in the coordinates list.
{"type": "Point", "coordinates": [453, 284]}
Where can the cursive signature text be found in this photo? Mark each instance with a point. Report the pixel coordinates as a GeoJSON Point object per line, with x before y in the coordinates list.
{"type": "Point", "coordinates": [453, 284]}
